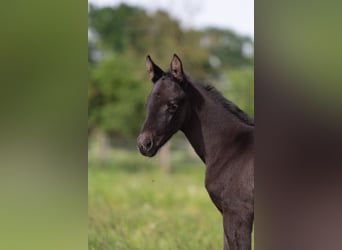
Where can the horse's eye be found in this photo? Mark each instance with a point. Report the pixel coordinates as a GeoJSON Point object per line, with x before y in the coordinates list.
{"type": "Point", "coordinates": [172, 107]}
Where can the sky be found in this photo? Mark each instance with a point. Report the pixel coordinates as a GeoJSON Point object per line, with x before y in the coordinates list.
{"type": "Point", "coordinates": [237, 15]}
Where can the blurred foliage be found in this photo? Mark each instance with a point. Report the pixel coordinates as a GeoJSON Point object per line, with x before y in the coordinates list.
{"type": "Point", "coordinates": [132, 205]}
{"type": "Point", "coordinates": [120, 38]}
{"type": "Point", "coordinates": [236, 84]}
{"type": "Point", "coordinates": [116, 97]}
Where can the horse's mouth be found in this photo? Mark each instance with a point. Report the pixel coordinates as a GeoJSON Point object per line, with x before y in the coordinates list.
{"type": "Point", "coordinates": [150, 153]}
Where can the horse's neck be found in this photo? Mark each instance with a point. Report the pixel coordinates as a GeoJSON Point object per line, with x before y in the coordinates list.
{"type": "Point", "coordinates": [212, 130]}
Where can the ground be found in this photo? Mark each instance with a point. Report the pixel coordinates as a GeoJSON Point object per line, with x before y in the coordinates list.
{"type": "Point", "coordinates": [133, 205]}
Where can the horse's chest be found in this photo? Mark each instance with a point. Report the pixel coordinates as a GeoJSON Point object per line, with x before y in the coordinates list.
{"type": "Point", "coordinates": [226, 186]}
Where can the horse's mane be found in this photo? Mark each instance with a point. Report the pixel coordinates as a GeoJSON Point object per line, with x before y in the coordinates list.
{"type": "Point", "coordinates": [230, 106]}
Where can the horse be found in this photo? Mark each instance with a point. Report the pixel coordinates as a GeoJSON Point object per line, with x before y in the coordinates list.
{"type": "Point", "coordinates": [221, 134]}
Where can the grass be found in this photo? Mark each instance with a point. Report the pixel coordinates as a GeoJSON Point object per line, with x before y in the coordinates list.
{"type": "Point", "coordinates": [132, 205]}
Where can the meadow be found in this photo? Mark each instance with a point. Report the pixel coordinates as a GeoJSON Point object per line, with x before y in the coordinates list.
{"type": "Point", "coordinates": [133, 205]}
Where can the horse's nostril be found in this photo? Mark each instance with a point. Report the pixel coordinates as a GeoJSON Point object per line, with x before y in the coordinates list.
{"type": "Point", "coordinates": [148, 144]}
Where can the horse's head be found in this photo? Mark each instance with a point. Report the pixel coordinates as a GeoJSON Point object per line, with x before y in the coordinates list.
{"type": "Point", "coordinates": [166, 106]}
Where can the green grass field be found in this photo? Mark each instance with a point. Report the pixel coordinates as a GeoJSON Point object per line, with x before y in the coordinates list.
{"type": "Point", "coordinates": [133, 205]}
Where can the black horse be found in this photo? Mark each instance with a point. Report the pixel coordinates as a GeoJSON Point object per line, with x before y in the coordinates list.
{"type": "Point", "coordinates": [222, 136]}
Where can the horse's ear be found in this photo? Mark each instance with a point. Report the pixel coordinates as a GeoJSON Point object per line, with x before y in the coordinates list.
{"type": "Point", "coordinates": [153, 70]}
{"type": "Point", "coordinates": [177, 68]}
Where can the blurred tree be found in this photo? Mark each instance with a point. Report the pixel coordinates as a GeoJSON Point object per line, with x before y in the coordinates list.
{"type": "Point", "coordinates": [227, 48]}
{"type": "Point", "coordinates": [238, 85]}
{"type": "Point", "coordinates": [130, 30]}
{"type": "Point", "coordinates": [112, 25]}
{"type": "Point", "coordinates": [116, 97]}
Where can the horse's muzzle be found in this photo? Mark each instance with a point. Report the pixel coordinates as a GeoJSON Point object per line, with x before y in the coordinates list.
{"type": "Point", "coordinates": [146, 145]}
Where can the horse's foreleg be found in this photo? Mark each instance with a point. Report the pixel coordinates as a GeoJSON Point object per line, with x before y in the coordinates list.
{"type": "Point", "coordinates": [237, 230]}
{"type": "Point", "coordinates": [225, 242]}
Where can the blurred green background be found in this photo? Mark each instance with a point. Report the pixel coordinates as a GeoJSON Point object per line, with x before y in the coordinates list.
{"type": "Point", "coordinates": [152, 203]}
{"type": "Point", "coordinates": [44, 96]}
